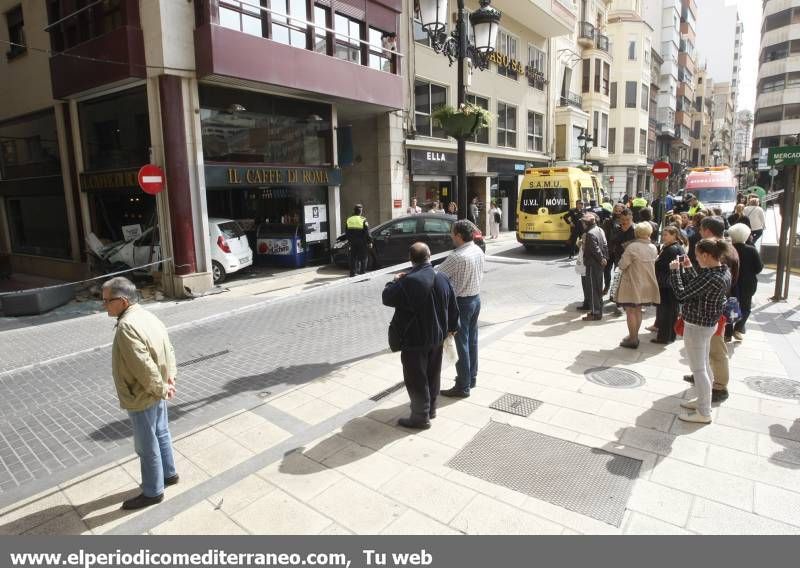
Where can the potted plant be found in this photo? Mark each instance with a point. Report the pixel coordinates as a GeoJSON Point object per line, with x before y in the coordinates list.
{"type": "Point", "coordinates": [462, 122]}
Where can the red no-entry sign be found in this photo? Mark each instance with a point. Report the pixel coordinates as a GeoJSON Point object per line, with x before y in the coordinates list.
{"type": "Point", "coordinates": [151, 179]}
{"type": "Point", "coordinates": [662, 170]}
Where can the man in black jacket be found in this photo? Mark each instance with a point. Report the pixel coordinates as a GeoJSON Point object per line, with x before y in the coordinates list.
{"type": "Point", "coordinates": [425, 313]}
{"type": "Point", "coordinates": [595, 259]}
{"type": "Point", "coordinates": [573, 219]}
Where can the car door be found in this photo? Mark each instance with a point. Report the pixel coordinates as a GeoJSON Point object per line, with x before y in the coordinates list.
{"type": "Point", "coordinates": [393, 240]}
{"type": "Point", "coordinates": [436, 233]}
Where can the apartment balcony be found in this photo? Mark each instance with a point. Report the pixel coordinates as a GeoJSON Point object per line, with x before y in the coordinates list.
{"type": "Point", "coordinates": [586, 32]}
{"type": "Point", "coordinates": [300, 58]}
{"type": "Point", "coordinates": [548, 18]}
{"type": "Point", "coordinates": [82, 39]}
{"type": "Point", "coordinates": [602, 42]}
{"type": "Point", "coordinates": [685, 60]}
{"type": "Point", "coordinates": [571, 100]}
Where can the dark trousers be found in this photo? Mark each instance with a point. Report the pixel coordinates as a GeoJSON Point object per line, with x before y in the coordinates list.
{"type": "Point", "coordinates": [593, 289]}
{"type": "Point", "coordinates": [755, 235]}
{"type": "Point", "coordinates": [574, 235]}
{"type": "Point", "coordinates": [358, 260]}
{"type": "Point", "coordinates": [422, 372]}
{"type": "Point", "coordinates": [746, 306]}
{"type": "Point", "coordinates": [666, 315]}
{"type": "Point", "coordinates": [607, 275]}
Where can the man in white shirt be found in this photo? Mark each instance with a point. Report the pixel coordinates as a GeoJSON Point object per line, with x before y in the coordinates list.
{"type": "Point", "coordinates": [464, 267]}
{"type": "Point", "coordinates": [414, 209]}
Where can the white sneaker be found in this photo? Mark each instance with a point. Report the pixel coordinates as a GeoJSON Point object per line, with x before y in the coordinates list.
{"type": "Point", "coordinates": [690, 404]}
{"type": "Point", "coordinates": [738, 335]}
{"type": "Point", "coordinates": [695, 417]}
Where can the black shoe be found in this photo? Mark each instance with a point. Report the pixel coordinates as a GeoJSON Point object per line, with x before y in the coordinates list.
{"type": "Point", "coordinates": [414, 424]}
{"type": "Point", "coordinates": [141, 501]}
{"type": "Point", "coordinates": [660, 341]}
{"type": "Point", "coordinates": [454, 393]}
{"type": "Point", "coordinates": [719, 395]}
{"type": "Point", "coordinates": [583, 308]}
{"type": "Point", "coordinates": [688, 378]}
{"type": "Point", "coordinates": [432, 413]}
{"type": "Point", "coordinates": [172, 480]}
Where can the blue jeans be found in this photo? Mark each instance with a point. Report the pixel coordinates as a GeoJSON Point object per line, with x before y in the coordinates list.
{"type": "Point", "coordinates": [467, 342]}
{"type": "Point", "coordinates": [153, 445]}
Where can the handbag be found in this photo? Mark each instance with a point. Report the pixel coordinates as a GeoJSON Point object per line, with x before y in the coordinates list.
{"type": "Point", "coordinates": [497, 217]}
{"type": "Point", "coordinates": [614, 288]}
{"type": "Point", "coordinates": [580, 268]}
{"type": "Point", "coordinates": [679, 326]}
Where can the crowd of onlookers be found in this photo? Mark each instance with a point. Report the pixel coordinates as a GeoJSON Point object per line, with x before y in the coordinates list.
{"type": "Point", "coordinates": [688, 261]}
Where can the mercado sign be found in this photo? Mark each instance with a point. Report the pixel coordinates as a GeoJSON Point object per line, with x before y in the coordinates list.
{"type": "Point", "coordinates": [231, 176]}
{"type": "Point", "coordinates": [784, 156]}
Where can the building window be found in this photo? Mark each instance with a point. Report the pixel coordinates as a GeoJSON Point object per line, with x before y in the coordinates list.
{"type": "Point", "coordinates": [427, 98]}
{"type": "Point", "coordinates": [421, 36]}
{"type": "Point", "coordinates": [614, 94]}
{"type": "Point", "coordinates": [586, 76]}
{"type": "Point", "coordinates": [507, 45]}
{"type": "Point", "coordinates": [771, 84]}
{"type": "Point", "coordinates": [645, 98]}
{"type": "Point", "coordinates": [630, 94]}
{"type": "Point", "coordinates": [537, 62]}
{"type": "Point", "coordinates": [16, 32]}
{"type": "Point", "coordinates": [286, 30]}
{"type": "Point", "coordinates": [606, 74]}
{"type": "Point", "coordinates": [29, 147]}
{"type": "Point", "coordinates": [348, 33]}
{"type": "Point", "coordinates": [629, 141]}
{"type": "Point", "coordinates": [506, 125]}
{"type": "Point", "coordinates": [604, 131]}
{"type": "Point", "coordinates": [632, 50]}
{"type": "Point", "coordinates": [378, 58]}
{"type": "Point", "coordinates": [643, 142]}
{"type": "Point", "coordinates": [696, 131]}
{"type": "Point", "coordinates": [535, 132]}
{"type": "Point", "coordinates": [598, 68]}
{"type": "Point", "coordinates": [482, 135]}
{"type": "Point", "coordinates": [596, 128]}
{"type": "Point", "coordinates": [612, 140]}
{"type": "Point", "coordinates": [38, 225]}
{"type": "Point", "coordinates": [242, 15]}
{"type": "Point", "coordinates": [322, 19]}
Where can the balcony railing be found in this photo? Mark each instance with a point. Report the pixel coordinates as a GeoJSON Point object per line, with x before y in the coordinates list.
{"type": "Point", "coordinates": [602, 42]}
{"type": "Point", "coordinates": [586, 31]}
{"type": "Point", "coordinates": [573, 100]}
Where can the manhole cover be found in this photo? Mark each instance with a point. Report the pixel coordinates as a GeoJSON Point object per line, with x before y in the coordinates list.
{"type": "Point", "coordinates": [515, 404]}
{"type": "Point", "coordinates": [614, 377]}
{"type": "Point", "coordinates": [775, 386]}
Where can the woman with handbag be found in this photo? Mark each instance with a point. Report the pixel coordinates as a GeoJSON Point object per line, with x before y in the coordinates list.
{"type": "Point", "coordinates": [702, 292]}
{"type": "Point", "coordinates": [638, 286]}
{"type": "Point", "coordinates": [750, 266]}
{"type": "Point", "coordinates": [667, 310]}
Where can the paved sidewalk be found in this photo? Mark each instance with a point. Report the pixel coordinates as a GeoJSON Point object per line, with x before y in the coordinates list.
{"type": "Point", "coordinates": [325, 459]}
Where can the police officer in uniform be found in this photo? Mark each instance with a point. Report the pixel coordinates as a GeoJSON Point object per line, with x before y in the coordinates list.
{"type": "Point", "coordinates": [358, 236]}
{"type": "Point", "coordinates": [638, 203]}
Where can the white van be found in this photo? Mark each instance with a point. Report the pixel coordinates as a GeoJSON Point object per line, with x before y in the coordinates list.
{"type": "Point", "coordinates": [230, 250]}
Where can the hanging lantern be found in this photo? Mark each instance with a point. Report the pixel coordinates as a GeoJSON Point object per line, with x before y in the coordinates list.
{"type": "Point", "coordinates": [485, 23]}
{"type": "Point", "coordinates": [432, 14]}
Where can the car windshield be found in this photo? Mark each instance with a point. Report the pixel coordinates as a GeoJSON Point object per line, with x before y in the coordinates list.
{"type": "Point", "coordinates": [230, 229]}
{"type": "Point", "coordinates": [555, 199]}
{"type": "Point", "coordinates": [716, 194]}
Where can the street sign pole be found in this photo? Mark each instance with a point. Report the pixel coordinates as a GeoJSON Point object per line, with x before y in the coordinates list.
{"type": "Point", "coordinates": [783, 268]}
{"type": "Point", "coordinates": [790, 240]}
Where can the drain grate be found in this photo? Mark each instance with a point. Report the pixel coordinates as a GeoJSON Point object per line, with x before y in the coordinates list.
{"type": "Point", "coordinates": [203, 358]}
{"type": "Point", "coordinates": [387, 392]}
{"type": "Point", "coordinates": [515, 404]}
{"type": "Point", "coordinates": [586, 480]}
{"type": "Point", "coordinates": [775, 386]}
{"type": "Point", "coordinates": [614, 377]}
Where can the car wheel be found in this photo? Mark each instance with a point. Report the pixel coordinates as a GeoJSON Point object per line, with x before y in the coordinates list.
{"type": "Point", "coordinates": [217, 272]}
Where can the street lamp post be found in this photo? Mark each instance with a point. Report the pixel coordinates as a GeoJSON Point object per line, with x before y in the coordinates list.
{"type": "Point", "coordinates": [585, 144]}
{"type": "Point", "coordinates": [716, 153]}
{"type": "Point", "coordinates": [432, 15]}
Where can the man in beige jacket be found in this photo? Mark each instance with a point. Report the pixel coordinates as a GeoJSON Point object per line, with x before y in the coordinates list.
{"type": "Point", "coordinates": [143, 366]}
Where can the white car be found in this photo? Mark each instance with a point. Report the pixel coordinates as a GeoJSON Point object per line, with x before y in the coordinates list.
{"type": "Point", "coordinates": [230, 250]}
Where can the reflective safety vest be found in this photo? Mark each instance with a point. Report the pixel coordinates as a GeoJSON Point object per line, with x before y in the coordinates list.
{"type": "Point", "coordinates": [607, 206]}
{"type": "Point", "coordinates": [356, 222]}
{"type": "Point", "coordinates": [693, 210]}
{"type": "Point", "coordinates": [639, 202]}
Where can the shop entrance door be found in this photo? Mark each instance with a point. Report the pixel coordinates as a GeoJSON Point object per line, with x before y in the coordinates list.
{"type": "Point", "coordinates": [507, 187]}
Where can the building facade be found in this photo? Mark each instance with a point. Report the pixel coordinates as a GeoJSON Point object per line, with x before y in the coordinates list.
{"type": "Point", "coordinates": [703, 119]}
{"type": "Point", "coordinates": [777, 110]}
{"type": "Point", "coordinates": [254, 113]}
{"type": "Point", "coordinates": [724, 122]}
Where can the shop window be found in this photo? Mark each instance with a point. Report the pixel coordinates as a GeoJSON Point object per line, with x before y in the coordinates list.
{"type": "Point", "coordinates": [482, 135]}
{"type": "Point", "coordinates": [630, 94]}
{"type": "Point", "coordinates": [16, 32]}
{"type": "Point", "coordinates": [507, 45]}
{"type": "Point", "coordinates": [378, 58]}
{"type": "Point", "coordinates": [286, 22]}
{"type": "Point", "coordinates": [442, 226]}
{"type": "Point", "coordinates": [115, 130]}
{"type": "Point", "coordinates": [348, 35]}
{"type": "Point", "coordinates": [29, 147]}
{"type": "Point", "coordinates": [506, 125]}
{"type": "Point", "coordinates": [38, 225]}
{"type": "Point", "coordinates": [427, 98]}
{"type": "Point", "coordinates": [321, 38]}
{"type": "Point", "coordinates": [535, 132]}
{"type": "Point", "coordinates": [244, 126]}
{"type": "Point", "coordinates": [242, 15]}
{"type": "Point", "coordinates": [629, 141]}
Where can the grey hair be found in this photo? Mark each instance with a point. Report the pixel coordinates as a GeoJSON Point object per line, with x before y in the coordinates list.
{"type": "Point", "coordinates": [739, 233]}
{"type": "Point", "coordinates": [121, 287]}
